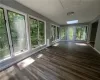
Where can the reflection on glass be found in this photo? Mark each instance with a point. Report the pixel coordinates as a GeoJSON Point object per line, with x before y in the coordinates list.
{"type": "Point", "coordinates": [53, 32]}
{"type": "Point", "coordinates": [18, 31]}
{"type": "Point", "coordinates": [34, 32]}
{"type": "Point", "coordinates": [4, 47]}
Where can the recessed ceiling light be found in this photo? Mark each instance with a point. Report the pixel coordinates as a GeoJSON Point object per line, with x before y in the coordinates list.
{"type": "Point", "coordinates": [72, 22]}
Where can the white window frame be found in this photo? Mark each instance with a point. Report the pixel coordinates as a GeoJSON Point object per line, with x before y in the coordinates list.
{"type": "Point", "coordinates": [7, 8]}
{"type": "Point", "coordinates": [27, 27]}
{"type": "Point", "coordinates": [38, 19]}
{"type": "Point", "coordinates": [56, 31]}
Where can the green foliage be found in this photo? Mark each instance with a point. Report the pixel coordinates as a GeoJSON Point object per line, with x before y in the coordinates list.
{"type": "Point", "coordinates": [14, 19]}
{"type": "Point", "coordinates": [70, 33]}
{"type": "Point", "coordinates": [37, 32]}
{"type": "Point", "coordinates": [34, 32]}
{"type": "Point", "coordinates": [4, 48]}
{"type": "Point", "coordinates": [63, 32]}
{"type": "Point", "coordinates": [80, 33]}
{"type": "Point", "coordinates": [17, 30]}
{"type": "Point", "coordinates": [41, 32]}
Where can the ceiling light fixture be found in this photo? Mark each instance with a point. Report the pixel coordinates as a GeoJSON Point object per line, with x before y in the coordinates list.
{"type": "Point", "coordinates": [72, 22]}
{"type": "Point", "coordinates": [70, 13]}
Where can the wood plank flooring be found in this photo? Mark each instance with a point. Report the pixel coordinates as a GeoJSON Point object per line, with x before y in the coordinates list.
{"type": "Point", "coordinates": [67, 61]}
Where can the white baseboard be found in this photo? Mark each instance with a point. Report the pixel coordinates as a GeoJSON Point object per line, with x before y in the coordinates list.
{"type": "Point", "coordinates": [97, 50]}
{"type": "Point", "coordinates": [94, 49]}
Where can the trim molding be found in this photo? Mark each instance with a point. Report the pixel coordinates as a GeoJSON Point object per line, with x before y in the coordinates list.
{"type": "Point", "coordinates": [94, 48]}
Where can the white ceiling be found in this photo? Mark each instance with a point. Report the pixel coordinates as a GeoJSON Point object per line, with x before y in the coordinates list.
{"type": "Point", "coordinates": [56, 10]}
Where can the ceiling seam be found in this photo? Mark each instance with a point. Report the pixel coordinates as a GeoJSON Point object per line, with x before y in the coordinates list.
{"type": "Point", "coordinates": [61, 4]}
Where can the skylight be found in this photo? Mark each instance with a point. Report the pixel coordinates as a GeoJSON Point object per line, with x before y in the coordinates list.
{"type": "Point", "coordinates": [72, 22]}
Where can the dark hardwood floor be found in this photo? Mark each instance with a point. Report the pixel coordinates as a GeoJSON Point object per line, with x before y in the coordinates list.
{"type": "Point", "coordinates": [67, 61]}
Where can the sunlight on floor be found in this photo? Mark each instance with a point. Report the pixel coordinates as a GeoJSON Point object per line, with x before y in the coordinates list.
{"type": "Point", "coordinates": [25, 63]}
{"type": "Point", "coordinates": [40, 55]}
{"type": "Point", "coordinates": [56, 44]}
{"type": "Point", "coordinates": [81, 44]}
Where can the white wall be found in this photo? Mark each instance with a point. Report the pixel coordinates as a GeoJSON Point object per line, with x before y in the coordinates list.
{"type": "Point", "coordinates": [97, 41]}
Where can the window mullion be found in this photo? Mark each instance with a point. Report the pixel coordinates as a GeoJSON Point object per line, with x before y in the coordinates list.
{"type": "Point", "coordinates": [28, 32]}
{"type": "Point", "coordinates": [9, 34]}
{"type": "Point", "coordinates": [45, 32]}
{"type": "Point", "coordinates": [38, 33]}
{"type": "Point", "coordinates": [56, 33]}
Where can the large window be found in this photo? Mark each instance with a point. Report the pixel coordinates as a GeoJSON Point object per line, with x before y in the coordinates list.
{"type": "Point", "coordinates": [37, 29]}
{"type": "Point", "coordinates": [18, 31]}
{"type": "Point", "coordinates": [14, 33]}
{"type": "Point", "coordinates": [72, 33]}
{"type": "Point", "coordinates": [4, 46]}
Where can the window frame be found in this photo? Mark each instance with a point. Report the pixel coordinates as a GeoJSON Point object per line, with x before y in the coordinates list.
{"type": "Point", "coordinates": [38, 19]}
{"type": "Point", "coordinates": [56, 32]}
{"type": "Point", "coordinates": [6, 29]}
{"type": "Point", "coordinates": [27, 31]}
{"type": "Point", "coordinates": [6, 9]}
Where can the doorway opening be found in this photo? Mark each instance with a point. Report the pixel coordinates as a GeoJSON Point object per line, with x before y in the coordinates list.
{"type": "Point", "coordinates": [93, 33]}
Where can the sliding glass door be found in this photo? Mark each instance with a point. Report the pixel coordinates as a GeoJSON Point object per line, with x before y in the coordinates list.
{"type": "Point", "coordinates": [18, 31]}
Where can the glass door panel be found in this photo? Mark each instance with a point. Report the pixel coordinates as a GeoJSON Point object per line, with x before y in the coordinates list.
{"type": "Point", "coordinates": [81, 33]}
{"type": "Point", "coordinates": [70, 33]}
